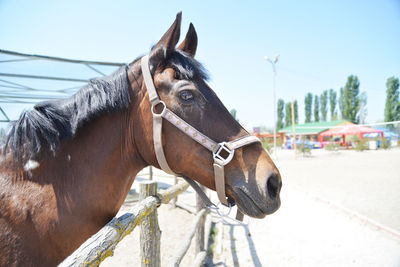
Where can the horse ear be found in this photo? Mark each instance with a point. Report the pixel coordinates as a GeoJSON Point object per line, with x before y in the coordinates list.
{"type": "Point", "coordinates": [189, 45]}
{"type": "Point", "coordinates": [167, 43]}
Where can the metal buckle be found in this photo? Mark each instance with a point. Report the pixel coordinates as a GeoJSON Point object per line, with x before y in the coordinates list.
{"type": "Point", "coordinates": [154, 112]}
{"type": "Point", "coordinates": [219, 159]}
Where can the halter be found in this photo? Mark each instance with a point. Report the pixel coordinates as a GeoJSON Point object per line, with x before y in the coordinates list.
{"type": "Point", "coordinates": [222, 152]}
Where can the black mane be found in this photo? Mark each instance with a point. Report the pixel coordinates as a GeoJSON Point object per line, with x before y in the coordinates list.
{"type": "Point", "coordinates": [50, 122]}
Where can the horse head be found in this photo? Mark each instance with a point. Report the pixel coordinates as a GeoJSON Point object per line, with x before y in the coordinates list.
{"type": "Point", "coordinates": [252, 180]}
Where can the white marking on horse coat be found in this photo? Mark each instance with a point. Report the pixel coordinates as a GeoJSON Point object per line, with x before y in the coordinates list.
{"type": "Point", "coordinates": [31, 165]}
{"type": "Point", "coordinates": [69, 157]}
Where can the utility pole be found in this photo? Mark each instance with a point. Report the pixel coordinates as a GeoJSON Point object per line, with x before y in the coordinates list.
{"type": "Point", "coordinates": [294, 130]}
{"type": "Point", "coordinates": [273, 62]}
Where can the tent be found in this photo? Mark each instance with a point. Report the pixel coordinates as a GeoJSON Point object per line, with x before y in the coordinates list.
{"type": "Point", "coordinates": [386, 133]}
{"type": "Point", "coordinates": [352, 129]}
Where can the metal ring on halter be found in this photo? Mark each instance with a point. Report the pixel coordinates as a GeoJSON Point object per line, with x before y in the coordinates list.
{"type": "Point", "coordinates": [220, 213]}
{"type": "Point", "coordinates": [220, 159]}
{"type": "Point", "coordinates": [153, 105]}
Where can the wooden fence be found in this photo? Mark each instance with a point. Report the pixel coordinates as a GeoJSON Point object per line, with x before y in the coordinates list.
{"type": "Point", "coordinates": [103, 243]}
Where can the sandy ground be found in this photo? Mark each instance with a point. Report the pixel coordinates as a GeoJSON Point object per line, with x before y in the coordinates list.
{"type": "Point", "coordinates": [315, 225]}
{"type": "Point", "coordinates": [367, 182]}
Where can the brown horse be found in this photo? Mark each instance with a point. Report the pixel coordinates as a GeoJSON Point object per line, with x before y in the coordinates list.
{"type": "Point", "coordinates": [69, 164]}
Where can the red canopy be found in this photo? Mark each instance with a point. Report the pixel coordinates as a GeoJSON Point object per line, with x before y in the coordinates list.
{"type": "Point", "coordinates": [351, 129]}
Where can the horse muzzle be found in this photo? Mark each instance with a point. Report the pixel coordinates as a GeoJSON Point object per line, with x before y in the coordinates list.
{"type": "Point", "coordinates": [255, 201]}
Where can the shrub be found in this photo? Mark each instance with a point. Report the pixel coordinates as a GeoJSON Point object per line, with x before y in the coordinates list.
{"type": "Point", "coordinates": [268, 146]}
{"type": "Point", "coordinates": [332, 146]}
{"type": "Point", "coordinates": [385, 143]}
{"type": "Point", "coordinates": [304, 148]}
{"type": "Point", "coordinates": [359, 145]}
{"type": "Point", "coordinates": [279, 142]}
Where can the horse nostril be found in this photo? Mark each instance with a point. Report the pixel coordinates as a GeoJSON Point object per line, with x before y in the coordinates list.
{"type": "Point", "coordinates": [273, 186]}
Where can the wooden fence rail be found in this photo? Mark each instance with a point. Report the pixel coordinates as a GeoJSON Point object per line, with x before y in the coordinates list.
{"type": "Point", "coordinates": [103, 243]}
{"type": "Point", "coordinates": [188, 239]}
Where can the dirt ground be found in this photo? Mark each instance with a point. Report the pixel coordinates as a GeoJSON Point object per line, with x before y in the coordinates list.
{"type": "Point", "coordinates": [367, 182]}
{"type": "Point", "coordinates": [338, 209]}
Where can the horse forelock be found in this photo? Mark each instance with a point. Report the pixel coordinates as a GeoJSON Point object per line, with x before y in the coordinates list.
{"type": "Point", "coordinates": [48, 123]}
{"type": "Point", "coordinates": [188, 67]}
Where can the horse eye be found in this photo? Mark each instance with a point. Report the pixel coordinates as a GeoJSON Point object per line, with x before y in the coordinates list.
{"type": "Point", "coordinates": [186, 95]}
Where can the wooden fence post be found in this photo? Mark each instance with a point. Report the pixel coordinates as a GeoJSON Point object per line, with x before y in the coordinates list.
{"type": "Point", "coordinates": [175, 198]}
{"type": "Point", "coordinates": [149, 230]}
{"type": "Point", "coordinates": [199, 243]}
{"type": "Point", "coordinates": [151, 172]}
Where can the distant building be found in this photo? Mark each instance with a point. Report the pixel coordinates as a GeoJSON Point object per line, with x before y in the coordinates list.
{"type": "Point", "coordinates": [310, 131]}
{"type": "Point", "coordinates": [267, 136]}
{"type": "Point", "coordinates": [256, 130]}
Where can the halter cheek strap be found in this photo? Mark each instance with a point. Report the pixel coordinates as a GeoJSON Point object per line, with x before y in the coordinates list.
{"type": "Point", "coordinates": [222, 152]}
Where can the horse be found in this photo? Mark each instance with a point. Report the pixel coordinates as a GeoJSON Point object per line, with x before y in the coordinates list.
{"type": "Point", "coordinates": [68, 164]}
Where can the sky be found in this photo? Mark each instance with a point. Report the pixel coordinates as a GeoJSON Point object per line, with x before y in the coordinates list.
{"type": "Point", "coordinates": [320, 44]}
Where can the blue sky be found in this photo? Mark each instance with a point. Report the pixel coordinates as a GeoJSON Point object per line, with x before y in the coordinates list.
{"type": "Point", "coordinates": [320, 44]}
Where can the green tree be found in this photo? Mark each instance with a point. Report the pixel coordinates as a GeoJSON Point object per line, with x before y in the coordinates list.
{"type": "Point", "coordinates": [233, 113]}
{"type": "Point", "coordinates": [316, 108]}
{"type": "Point", "coordinates": [349, 100]}
{"type": "Point", "coordinates": [296, 112]}
{"type": "Point", "coordinates": [392, 106]}
{"type": "Point", "coordinates": [308, 107]}
{"type": "Point", "coordinates": [341, 102]}
{"type": "Point", "coordinates": [324, 105]}
{"type": "Point", "coordinates": [288, 114]}
{"type": "Point", "coordinates": [332, 104]}
{"type": "Point", "coordinates": [363, 107]}
{"type": "Point", "coordinates": [280, 114]}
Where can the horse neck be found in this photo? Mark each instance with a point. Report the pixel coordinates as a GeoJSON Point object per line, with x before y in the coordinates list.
{"type": "Point", "coordinates": [97, 168]}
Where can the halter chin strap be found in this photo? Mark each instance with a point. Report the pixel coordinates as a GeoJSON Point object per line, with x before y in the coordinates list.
{"type": "Point", "coordinates": [222, 152]}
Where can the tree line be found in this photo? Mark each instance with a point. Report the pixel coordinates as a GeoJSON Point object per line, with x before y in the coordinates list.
{"type": "Point", "coordinates": [351, 103]}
